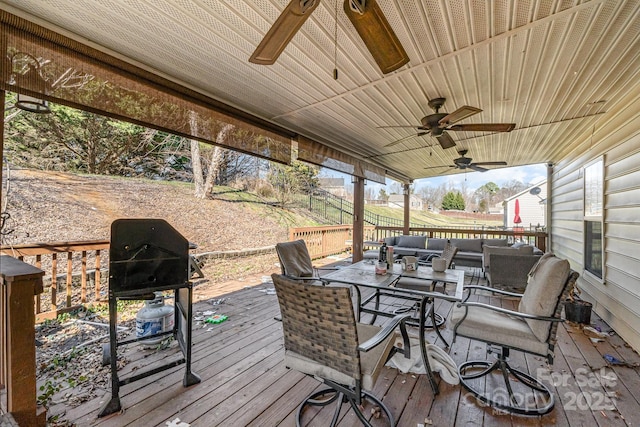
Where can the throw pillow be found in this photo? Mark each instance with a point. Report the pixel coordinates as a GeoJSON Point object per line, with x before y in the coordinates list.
{"type": "Point", "coordinates": [436, 244]}
{"type": "Point", "coordinates": [468, 245]}
{"type": "Point", "coordinates": [412, 241]}
{"type": "Point", "coordinates": [390, 241]}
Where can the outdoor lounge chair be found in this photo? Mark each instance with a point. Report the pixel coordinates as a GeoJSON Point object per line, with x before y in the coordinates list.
{"type": "Point", "coordinates": [531, 329]}
{"type": "Point", "coordinates": [322, 339]}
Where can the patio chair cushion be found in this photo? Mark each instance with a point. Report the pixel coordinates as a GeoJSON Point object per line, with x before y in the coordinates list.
{"type": "Point", "coordinates": [498, 328]}
{"type": "Point", "coordinates": [371, 362]}
{"type": "Point", "coordinates": [295, 259]}
{"type": "Point", "coordinates": [546, 283]}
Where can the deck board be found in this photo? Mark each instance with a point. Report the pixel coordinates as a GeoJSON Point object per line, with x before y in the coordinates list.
{"type": "Point", "coordinates": [245, 383]}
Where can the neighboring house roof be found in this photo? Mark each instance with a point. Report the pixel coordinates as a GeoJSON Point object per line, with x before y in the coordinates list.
{"type": "Point", "coordinates": [541, 184]}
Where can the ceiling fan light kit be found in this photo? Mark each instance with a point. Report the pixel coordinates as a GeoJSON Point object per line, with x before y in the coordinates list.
{"type": "Point", "coordinates": [365, 15]}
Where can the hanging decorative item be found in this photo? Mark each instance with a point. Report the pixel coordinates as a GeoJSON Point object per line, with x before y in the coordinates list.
{"type": "Point", "coordinates": [33, 105]}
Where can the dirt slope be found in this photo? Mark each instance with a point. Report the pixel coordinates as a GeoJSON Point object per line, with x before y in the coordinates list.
{"type": "Point", "coordinates": [55, 206]}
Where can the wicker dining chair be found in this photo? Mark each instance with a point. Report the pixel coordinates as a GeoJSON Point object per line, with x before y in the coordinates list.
{"type": "Point", "coordinates": [295, 261]}
{"type": "Point", "coordinates": [322, 339]}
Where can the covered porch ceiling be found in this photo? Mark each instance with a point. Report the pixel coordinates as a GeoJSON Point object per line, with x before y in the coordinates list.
{"type": "Point", "coordinates": [558, 69]}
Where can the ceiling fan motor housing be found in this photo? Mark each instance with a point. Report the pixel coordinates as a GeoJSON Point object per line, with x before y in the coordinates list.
{"type": "Point", "coordinates": [431, 122]}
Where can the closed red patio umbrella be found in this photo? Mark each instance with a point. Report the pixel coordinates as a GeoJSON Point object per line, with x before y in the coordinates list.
{"type": "Point", "coordinates": [516, 218]}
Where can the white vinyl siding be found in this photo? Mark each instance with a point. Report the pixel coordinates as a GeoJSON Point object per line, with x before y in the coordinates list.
{"type": "Point", "coordinates": [616, 297]}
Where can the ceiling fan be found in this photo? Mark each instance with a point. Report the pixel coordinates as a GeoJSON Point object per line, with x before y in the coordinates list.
{"type": "Point", "coordinates": [365, 15]}
{"type": "Point", "coordinates": [438, 124]}
{"type": "Point", "coordinates": [464, 162]}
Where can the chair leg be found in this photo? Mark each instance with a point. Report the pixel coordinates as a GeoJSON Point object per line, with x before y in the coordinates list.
{"type": "Point", "coordinates": [328, 396]}
{"type": "Point", "coordinates": [522, 394]}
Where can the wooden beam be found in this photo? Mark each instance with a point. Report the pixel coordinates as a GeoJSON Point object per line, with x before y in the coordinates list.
{"type": "Point", "coordinates": [358, 219]}
{"type": "Point", "coordinates": [407, 207]}
{"type": "Point", "coordinates": [19, 282]}
{"type": "Point", "coordinates": [2, 98]}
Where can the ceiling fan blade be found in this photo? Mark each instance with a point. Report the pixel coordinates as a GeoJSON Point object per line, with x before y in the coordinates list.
{"type": "Point", "coordinates": [461, 113]}
{"type": "Point", "coordinates": [282, 31]}
{"type": "Point", "coordinates": [400, 126]}
{"type": "Point", "coordinates": [445, 140]}
{"type": "Point", "coordinates": [477, 168]}
{"type": "Point", "coordinates": [487, 127]}
{"type": "Point", "coordinates": [377, 34]}
{"type": "Point", "coordinates": [439, 167]}
{"type": "Point", "coordinates": [490, 163]}
{"type": "Point", "coordinates": [391, 144]}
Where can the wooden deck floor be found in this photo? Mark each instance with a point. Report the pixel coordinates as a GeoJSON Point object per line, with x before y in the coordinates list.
{"type": "Point", "coordinates": [245, 383]}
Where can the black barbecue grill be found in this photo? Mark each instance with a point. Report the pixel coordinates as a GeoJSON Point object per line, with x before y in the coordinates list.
{"type": "Point", "coordinates": [145, 256]}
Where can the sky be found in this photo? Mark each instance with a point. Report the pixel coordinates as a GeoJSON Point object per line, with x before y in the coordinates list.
{"type": "Point", "coordinates": [532, 174]}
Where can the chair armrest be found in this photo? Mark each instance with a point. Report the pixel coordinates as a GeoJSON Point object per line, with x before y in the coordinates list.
{"type": "Point", "coordinates": [307, 279]}
{"type": "Point", "coordinates": [510, 312]}
{"type": "Point", "coordinates": [326, 268]}
{"type": "Point", "coordinates": [492, 290]}
{"type": "Point", "coordinates": [388, 329]}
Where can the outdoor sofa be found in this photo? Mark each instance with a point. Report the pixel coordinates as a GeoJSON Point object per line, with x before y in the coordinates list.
{"type": "Point", "coordinates": [469, 250]}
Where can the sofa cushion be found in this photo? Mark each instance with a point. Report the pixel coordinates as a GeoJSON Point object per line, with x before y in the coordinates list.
{"type": "Point", "coordinates": [468, 245]}
{"type": "Point", "coordinates": [469, 256]}
{"type": "Point", "coordinates": [434, 244]}
{"type": "Point", "coordinates": [418, 242]}
{"type": "Point", "coordinates": [404, 251]}
{"type": "Point", "coordinates": [546, 283]}
{"type": "Point", "coordinates": [494, 242]}
{"type": "Point", "coordinates": [390, 241]}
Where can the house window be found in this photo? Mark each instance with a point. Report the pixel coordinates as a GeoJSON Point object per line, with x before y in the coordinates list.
{"type": "Point", "coordinates": [593, 202]}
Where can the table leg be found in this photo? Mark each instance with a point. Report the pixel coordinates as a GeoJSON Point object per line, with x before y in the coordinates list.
{"type": "Point", "coordinates": [423, 346]}
{"type": "Point", "coordinates": [377, 307]}
{"type": "Point", "coordinates": [432, 314]}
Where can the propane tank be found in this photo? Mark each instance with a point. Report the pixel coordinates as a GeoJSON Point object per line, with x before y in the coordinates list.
{"type": "Point", "coordinates": [153, 318]}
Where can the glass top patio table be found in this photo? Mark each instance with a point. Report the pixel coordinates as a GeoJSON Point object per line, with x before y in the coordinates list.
{"type": "Point", "coordinates": [362, 274]}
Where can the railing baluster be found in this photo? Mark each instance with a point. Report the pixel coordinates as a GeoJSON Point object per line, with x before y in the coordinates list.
{"type": "Point", "coordinates": [69, 277]}
{"type": "Point", "coordinates": [38, 296]}
{"type": "Point", "coordinates": [97, 276]}
{"type": "Point", "coordinates": [83, 278]}
{"type": "Point", "coordinates": [54, 281]}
